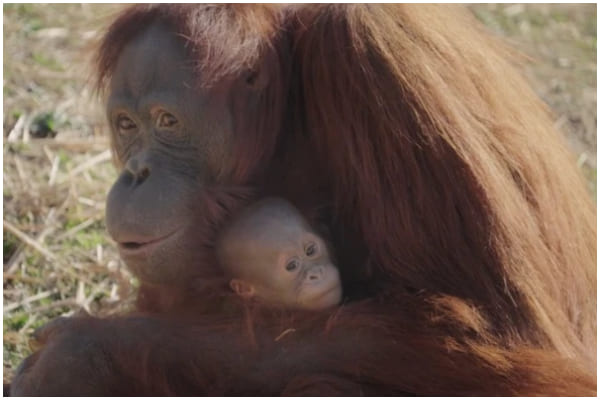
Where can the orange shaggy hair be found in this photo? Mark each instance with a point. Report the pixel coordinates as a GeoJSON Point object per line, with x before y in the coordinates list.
{"type": "Point", "coordinates": [460, 182]}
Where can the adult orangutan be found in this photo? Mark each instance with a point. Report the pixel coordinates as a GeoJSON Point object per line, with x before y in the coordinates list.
{"type": "Point", "coordinates": [466, 239]}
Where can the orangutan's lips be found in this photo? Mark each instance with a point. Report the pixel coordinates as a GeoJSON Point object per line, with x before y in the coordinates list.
{"type": "Point", "coordinates": [326, 292]}
{"type": "Point", "coordinates": [133, 245]}
{"type": "Point", "coordinates": [142, 247]}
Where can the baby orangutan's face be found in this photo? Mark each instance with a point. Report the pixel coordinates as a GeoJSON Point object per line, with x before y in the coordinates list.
{"type": "Point", "coordinates": [290, 266]}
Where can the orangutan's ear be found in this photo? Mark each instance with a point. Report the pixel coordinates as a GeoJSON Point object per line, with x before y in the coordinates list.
{"type": "Point", "coordinates": [257, 78]}
{"type": "Point", "coordinates": [242, 288]}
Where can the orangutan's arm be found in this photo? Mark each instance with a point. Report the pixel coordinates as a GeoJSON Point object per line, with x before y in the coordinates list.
{"type": "Point", "coordinates": [355, 352]}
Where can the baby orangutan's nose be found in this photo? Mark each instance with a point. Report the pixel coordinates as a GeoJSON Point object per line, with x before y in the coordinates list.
{"type": "Point", "coordinates": [314, 274]}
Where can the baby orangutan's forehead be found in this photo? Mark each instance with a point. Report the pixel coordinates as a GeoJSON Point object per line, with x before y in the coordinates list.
{"type": "Point", "coordinates": [291, 233]}
{"type": "Point", "coordinates": [272, 245]}
{"type": "Point", "coordinates": [270, 223]}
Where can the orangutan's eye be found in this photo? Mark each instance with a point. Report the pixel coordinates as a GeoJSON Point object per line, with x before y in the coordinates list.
{"type": "Point", "coordinates": [292, 265]}
{"type": "Point", "coordinates": [167, 120]}
{"type": "Point", "coordinates": [125, 124]}
{"type": "Point", "coordinates": [311, 249]}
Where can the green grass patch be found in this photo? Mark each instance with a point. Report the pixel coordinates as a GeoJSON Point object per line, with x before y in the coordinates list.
{"type": "Point", "coordinates": [30, 15]}
{"type": "Point", "coordinates": [88, 240]}
{"type": "Point", "coordinates": [64, 158]}
{"type": "Point", "coordinates": [9, 245]}
{"type": "Point", "coordinates": [72, 222]}
{"type": "Point", "coordinates": [44, 125]}
{"type": "Point", "coordinates": [16, 321]}
{"type": "Point", "coordinates": [47, 62]}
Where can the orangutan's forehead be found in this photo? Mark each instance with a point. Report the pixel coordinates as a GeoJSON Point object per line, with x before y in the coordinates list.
{"type": "Point", "coordinates": [155, 58]}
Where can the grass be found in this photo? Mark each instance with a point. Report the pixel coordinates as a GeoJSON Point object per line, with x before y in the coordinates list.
{"type": "Point", "coordinates": [57, 256]}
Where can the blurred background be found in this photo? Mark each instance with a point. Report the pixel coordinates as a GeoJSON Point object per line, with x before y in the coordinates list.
{"type": "Point", "coordinates": [57, 256]}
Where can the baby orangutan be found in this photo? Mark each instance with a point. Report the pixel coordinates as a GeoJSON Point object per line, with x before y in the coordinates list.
{"type": "Point", "coordinates": [270, 252]}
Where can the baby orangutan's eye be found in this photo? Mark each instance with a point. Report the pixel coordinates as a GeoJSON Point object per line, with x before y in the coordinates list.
{"type": "Point", "coordinates": [292, 265]}
{"type": "Point", "coordinates": [311, 249]}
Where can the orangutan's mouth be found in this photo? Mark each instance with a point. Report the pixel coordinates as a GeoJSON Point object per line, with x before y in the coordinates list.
{"type": "Point", "coordinates": [132, 245]}
{"type": "Point", "coordinates": [143, 246]}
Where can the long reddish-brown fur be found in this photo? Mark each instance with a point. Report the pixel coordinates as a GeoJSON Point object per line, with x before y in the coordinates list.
{"type": "Point", "coordinates": [456, 173]}
{"type": "Point", "coordinates": [465, 236]}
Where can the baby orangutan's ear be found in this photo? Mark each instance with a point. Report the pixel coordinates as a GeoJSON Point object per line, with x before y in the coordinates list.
{"type": "Point", "coordinates": [242, 288]}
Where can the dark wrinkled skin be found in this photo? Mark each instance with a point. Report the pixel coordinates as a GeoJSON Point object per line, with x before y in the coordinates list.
{"type": "Point", "coordinates": [271, 252]}
{"type": "Point", "coordinates": [173, 139]}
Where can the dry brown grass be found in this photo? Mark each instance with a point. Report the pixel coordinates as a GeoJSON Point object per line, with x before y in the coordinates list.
{"type": "Point", "coordinates": [57, 256]}
{"type": "Point", "coordinates": [57, 170]}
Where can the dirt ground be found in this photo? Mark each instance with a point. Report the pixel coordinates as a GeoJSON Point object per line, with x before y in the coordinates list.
{"type": "Point", "coordinates": [57, 170]}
